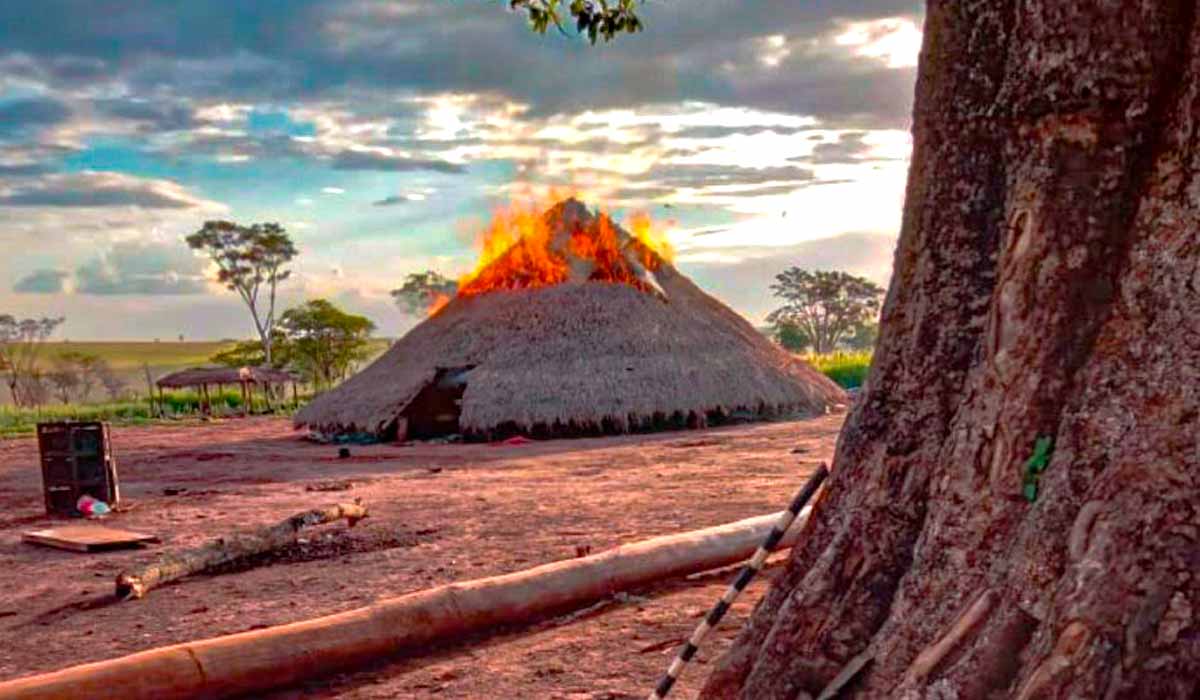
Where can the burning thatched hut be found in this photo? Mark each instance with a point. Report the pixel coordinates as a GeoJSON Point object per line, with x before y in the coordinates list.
{"type": "Point", "coordinates": [575, 327]}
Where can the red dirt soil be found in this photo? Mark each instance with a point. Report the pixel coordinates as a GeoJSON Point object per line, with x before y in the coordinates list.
{"type": "Point", "coordinates": [439, 513]}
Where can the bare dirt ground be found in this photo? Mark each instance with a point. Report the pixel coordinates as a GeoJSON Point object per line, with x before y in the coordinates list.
{"type": "Point", "coordinates": [439, 513]}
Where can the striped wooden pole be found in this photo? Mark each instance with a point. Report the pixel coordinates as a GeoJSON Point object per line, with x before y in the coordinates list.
{"type": "Point", "coordinates": [743, 579]}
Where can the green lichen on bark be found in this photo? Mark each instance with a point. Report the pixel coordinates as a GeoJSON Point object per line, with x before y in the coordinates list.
{"type": "Point", "coordinates": [1037, 463]}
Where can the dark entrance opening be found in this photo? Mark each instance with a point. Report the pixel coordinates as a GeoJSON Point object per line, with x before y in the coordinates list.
{"type": "Point", "coordinates": [435, 410]}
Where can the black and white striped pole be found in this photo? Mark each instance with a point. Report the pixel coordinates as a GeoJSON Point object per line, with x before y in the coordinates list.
{"type": "Point", "coordinates": [744, 577]}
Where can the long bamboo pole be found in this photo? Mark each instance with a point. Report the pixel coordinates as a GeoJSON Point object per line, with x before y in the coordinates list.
{"type": "Point", "coordinates": [276, 656]}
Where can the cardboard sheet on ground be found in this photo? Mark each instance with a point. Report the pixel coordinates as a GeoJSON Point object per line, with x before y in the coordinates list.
{"type": "Point", "coordinates": [87, 538]}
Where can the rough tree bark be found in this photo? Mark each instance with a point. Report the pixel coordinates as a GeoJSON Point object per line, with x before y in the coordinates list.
{"type": "Point", "coordinates": [1046, 283]}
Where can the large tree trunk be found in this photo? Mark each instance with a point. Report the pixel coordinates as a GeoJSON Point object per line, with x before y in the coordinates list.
{"type": "Point", "coordinates": [1046, 283]}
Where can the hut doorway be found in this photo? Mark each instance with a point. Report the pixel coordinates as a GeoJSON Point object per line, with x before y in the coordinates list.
{"type": "Point", "coordinates": [435, 410]}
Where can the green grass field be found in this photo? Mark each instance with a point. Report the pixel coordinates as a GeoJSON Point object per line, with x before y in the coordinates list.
{"type": "Point", "coordinates": [131, 355]}
{"type": "Point", "coordinates": [849, 369]}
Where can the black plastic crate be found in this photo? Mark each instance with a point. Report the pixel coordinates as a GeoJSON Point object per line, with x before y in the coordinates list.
{"type": "Point", "coordinates": [76, 460]}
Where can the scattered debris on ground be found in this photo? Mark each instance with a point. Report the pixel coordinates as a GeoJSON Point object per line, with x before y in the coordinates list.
{"type": "Point", "coordinates": [325, 486]}
{"type": "Point", "coordinates": [87, 538]}
{"type": "Point", "coordinates": [230, 549]}
{"type": "Point", "coordinates": [513, 441]}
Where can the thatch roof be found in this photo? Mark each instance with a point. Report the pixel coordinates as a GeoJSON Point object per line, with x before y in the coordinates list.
{"type": "Point", "coordinates": [583, 356]}
{"type": "Point", "coordinates": [198, 376]}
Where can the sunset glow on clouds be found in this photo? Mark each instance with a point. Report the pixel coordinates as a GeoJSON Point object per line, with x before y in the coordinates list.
{"type": "Point", "coordinates": [380, 133]}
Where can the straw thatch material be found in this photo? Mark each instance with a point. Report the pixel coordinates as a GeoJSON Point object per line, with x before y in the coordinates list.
{"type": "Point", "coordinates": [200, 376]}
{"type": "Point", "coordinates": [581, 357]}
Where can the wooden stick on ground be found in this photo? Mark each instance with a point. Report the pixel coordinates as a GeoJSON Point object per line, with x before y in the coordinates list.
{"type": "Point", "coordinates": [248, 662]}
{"type": "Point", "coordinates": [175, 565]}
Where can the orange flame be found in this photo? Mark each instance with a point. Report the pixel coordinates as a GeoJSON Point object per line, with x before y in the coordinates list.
{"type": "Point", "coordinates": [517, 250]}
{"type": "Point", "coordinates": [437, 303]}
{"type": "Point", "coordinates": [520, 236]}
{"type": "Point", "coordinates": [651, 234]}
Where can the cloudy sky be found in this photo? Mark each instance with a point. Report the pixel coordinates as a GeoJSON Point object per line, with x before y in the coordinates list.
{"type": "Point", "coordinates": [380, 133]}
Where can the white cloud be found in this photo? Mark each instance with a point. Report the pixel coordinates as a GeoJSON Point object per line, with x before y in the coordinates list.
{"type": "Point", "coordinates": [223, 113]}
{"type": "Point", "coordinates": [741, 277]}
{"type": "Point", "coordinates": [872, 201]}
{"type": "Point", "coordinates": [896, 41]}
{"type": "Point", "coordinates": [774, 50]}
{"type": "Point", "coordinates": [142, 267]}
{"type": "Point", "coordinates": [333, 190]}
{"type": "Point", "coordinates": [97, 190]}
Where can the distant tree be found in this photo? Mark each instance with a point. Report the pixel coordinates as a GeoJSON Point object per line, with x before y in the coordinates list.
{"type": "Point", "coordinates": [250, 353]}
{"type": "Point", "coordinates": [592, 18]}
{"type": "Point", "coordinates": [156, 407]}
{"type": "Point", "coordinates": [250, 259]}
{"type": "Point", "coordinates": [422, 290]}
{"type": "Point", "coordinates": [114, 385]}
{"type": "Point", "coordinates": [863, 337]}
{"type": "Point", "coordinates": [21, 342]}
{"type": "Point", "coordinates": [35, 388]}
{"type": "Point", "coordinates": [86, 369]}
{"type": "Point", "coordinates": [65, 380]}
{"type": "Point", "coordinates": [791, 336]}
{"type": "Point", "coordinates": [245, 353]}
{"type": "Point", "coordinates": [326, 342]}
{"type": "Point", "coordinates": [8, 326]}
{"type": "Point", "coordinates": [824, 306]}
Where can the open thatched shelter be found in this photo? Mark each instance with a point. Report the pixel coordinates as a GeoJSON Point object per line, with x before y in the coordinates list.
{"type": "Point", "coordinates": [218, 376]}
{"type": "Point", "coordinates": [579, 356]}
{"type": "Point", "coordinates": [246, 378]}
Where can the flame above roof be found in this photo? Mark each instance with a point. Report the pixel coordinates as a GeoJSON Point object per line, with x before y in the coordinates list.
{"type": "Point", "coordinates": [566, 244]}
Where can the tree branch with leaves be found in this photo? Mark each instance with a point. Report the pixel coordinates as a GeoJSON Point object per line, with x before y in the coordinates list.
{"type": "Point", "coordinates": [21, 342]}
{"type": "Point", "coordinates": [592, 18]}
{"type": "Point", "coordinates": [76, 374]}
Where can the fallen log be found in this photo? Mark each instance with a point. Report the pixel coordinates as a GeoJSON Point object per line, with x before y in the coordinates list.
{"type": "Point", "coordinates": [286, 654]}
{"type": "Point", "coordinates": [175, 565]}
